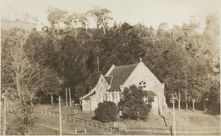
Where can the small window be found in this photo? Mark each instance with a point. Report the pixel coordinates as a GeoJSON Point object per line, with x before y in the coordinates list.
{"type": "Point", "coordinates": [142, 84]}
{"type": "Point", "coordinates": [105, 97]}
{"type": "Point", "coordinates": [113, 95]}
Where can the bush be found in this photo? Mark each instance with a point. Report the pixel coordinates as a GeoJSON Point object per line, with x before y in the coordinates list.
{"type": "Point", "coordinates": [132, 104]}
{"type": "Point", "coordinates": [106, 112]}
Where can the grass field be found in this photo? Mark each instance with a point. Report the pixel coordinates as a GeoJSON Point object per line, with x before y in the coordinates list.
{"type": "Point", "coordinates": [67, 127]}
{"type": "Point", "coordinates": [195, 119]}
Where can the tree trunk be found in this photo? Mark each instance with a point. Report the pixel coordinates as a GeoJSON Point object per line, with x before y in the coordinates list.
{"type": "Point", "coordinates": [52, 100]}
{"type": "Point", "coordinates": [66, 98]}
{"type": "Point", "coordinates": [104, 30]}
{"type": "Point", "coordinates": [187, 105]}
{"type": "Point", "coordinates": [186, 101]}
{"type": "Point", "coordinates": [179, 104]}
{"type": "Point", "coordinates": [97, 25]}
{"type": "Point", "coordinates": [70, 97]}
{"type": "Point", "coordinates": [204, 107]}
{"type": "Point", "coordinates": [98, 69]}
{"type": "Point", "coordinates": [60, 116]}
{"type": "Point", "coordinates": [179, 100]}
{"type": "Point", "coordinates": [4, 117]}
{"type": "Point", "coordinates": [193, 101]}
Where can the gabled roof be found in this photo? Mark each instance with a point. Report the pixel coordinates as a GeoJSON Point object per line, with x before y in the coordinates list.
{"type": "Point", "coordinates": [119, 75]}
{"type": "Point", "coordinates": [89, 94]}
{"type": "Point", "coordinates": [109, 79]}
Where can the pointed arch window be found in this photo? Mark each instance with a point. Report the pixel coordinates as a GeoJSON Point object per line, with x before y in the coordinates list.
{"type": "Point", "coordinates": [142, 84]}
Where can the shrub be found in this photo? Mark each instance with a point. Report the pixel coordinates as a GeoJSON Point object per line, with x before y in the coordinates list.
{"type": "Point", "coordinates": [106, 112]}
{"type": "Point", "coordinates": [132, 104]}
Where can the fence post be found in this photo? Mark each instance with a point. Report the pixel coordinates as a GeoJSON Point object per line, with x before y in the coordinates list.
{"type": "Point", "coordinates": [75, 131]}
{"type": "Point", "coordinates": [85, 131]}
{"type": "Point", "coordinates": [171, 130]}
{"type": "Point", "coordinates": [4, 117]}
{"type": "Point", "coordinates": [60, 117]}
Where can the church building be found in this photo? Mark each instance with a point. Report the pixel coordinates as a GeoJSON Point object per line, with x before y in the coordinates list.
{"type": "Point", "coordinates": [110, 87]}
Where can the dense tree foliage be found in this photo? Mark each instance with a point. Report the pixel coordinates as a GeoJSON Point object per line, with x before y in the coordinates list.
{"type": "Point", "coordinates": [132, 104]}
{"type": "Point", "coordinates": [186, 60]}
{"type": "Point", "coordinates": [106, 112]}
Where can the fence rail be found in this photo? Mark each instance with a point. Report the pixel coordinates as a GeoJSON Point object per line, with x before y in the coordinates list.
{"type": "Point", "coordinates": [77, 120]}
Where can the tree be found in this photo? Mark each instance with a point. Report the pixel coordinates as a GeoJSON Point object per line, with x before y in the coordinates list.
{"type": "Point", "coordinates": [80, 91]}
{"type": "Point", "coordinates": [132, 104]}
{"type": "Point", "coordinates": [101, 16]}
{"type": "Point", "coordinates": [72, 23]}
{"type": "Point", "coordinates": [56, 16]}
{"type": "Point", "coordinates": [162, 29]}
{"type": "Point", "coordinates": [83, 20]}
{"type": "Point", "coordinates": [106, 112]}
{"type": "Point", "coordinates": [20, 76]}
{"type": "Point", "coordinates": [199, 82]}
{"type": "Point", "coordinates": [51, 83]}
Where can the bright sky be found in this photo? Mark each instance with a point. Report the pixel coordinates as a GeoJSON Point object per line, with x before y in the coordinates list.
{"type": "Point", "coordinates": [148, 12]}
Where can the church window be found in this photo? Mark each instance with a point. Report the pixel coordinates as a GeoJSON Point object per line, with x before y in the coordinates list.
{"type": "Point", "coordinates": [142, 84]}
{"type": "Point", "coordinates": [105, 97]}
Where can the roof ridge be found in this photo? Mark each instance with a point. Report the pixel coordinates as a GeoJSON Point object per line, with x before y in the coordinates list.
{"type": "Point", "coordinates": [126, 65]}
{"type": "Point", "coordinates": [120, 74]}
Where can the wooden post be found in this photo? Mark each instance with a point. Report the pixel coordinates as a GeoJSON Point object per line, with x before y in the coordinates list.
{"type": "Point", "coordinates": [0, 113]}
{"type": "Point", "coordinates": [85, 131]}
{"type": "Point", "coordinates": [193, 101]}
{"type": "Point", "coordinates": [4, 127]}
{"type": "Point", "coordinates": [60, 117]}
{"type": "Point", "coordinates": [66, 98]}
{"type": "Point", "coordinates": [70, 96]}
{"type": "Point", "coordinates": [52, 100]}
{"type": "Point", "coordinates": [174, 118]}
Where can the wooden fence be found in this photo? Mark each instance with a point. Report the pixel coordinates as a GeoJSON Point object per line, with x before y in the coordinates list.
{"type": "Point", "coordinates": [76, 120]}
{"type": "Point", "coordinates": [124, 130]}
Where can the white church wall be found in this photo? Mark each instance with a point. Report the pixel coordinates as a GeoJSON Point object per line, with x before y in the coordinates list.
{"type": "Point", "coordinates": [142, 73]}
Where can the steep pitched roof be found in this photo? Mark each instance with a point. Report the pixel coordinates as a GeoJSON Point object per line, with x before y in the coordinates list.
{"type": "Point", "coordinates": [108, 79]}
{"type": "Point", "coordinates": [119, 75]}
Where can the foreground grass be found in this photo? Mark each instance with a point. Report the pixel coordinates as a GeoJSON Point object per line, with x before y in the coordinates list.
{"type": "Point", "coordinates": [195, 119]}
{"type": "Point", "coordinates": [67, 127]}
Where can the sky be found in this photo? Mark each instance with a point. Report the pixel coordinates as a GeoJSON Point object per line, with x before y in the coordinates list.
{"type": "Point", "coordinates": [147, 12]}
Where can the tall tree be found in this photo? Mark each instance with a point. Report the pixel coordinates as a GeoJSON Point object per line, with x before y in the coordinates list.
{"type": "Point", "coordinates": [101, 16]}
{"type": "Point", "coordinates": [56, 18]}
{"type": "Point", "coordinates": [21, 76]}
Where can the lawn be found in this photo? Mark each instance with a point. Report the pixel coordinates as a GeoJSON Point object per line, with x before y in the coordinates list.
{"type": "Point", "coordinates": [195, 119]}
{"type": "Point", "coordinates": [67, 127]}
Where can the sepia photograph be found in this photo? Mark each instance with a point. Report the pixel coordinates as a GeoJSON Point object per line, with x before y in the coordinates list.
{"type": "Point", "coordinates": [110, 67]}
